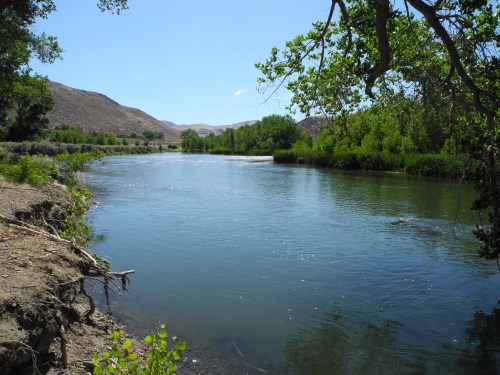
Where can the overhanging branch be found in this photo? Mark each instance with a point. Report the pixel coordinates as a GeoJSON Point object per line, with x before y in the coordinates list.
{"type": "Point", "coordinates": [382, 16]}
{"type": "Point", "coordinates": [321, 39]}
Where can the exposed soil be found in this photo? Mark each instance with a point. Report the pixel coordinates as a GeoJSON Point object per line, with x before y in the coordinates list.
{"type": "Point", "coordinates": [39, 301]}
{"type": "Point", "coordinates": [43, 320]}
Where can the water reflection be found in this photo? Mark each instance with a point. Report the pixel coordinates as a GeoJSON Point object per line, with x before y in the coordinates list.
{"type": "Point", "coordinates": [483, 354]}
{"type": "Point", "coordinates": [339, 345]}
{"type": "Point", "coordinates": [344, 345]}
{"type": "Point", "coordinates": [400, 195]}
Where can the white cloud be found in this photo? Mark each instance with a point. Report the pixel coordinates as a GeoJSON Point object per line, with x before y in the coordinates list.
{"type": "Point", "coordinates": [239, 92]}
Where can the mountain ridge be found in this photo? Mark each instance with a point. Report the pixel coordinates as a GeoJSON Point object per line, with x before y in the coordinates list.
{"type": "Point", "coordinates": [205, 129]}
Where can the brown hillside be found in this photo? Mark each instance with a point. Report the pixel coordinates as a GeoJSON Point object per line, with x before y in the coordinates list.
{"type": "Point", "coordinates": [313, 124]}
{"type": "Point", "coordinates": [92, 111]}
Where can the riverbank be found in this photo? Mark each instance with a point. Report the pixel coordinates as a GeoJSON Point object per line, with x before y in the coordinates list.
{"type": "Point", "coordinates": [426, 165]}
{"type": "Point", "coordinates": [42, 324]}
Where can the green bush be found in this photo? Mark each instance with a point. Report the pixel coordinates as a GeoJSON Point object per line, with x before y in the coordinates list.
{"type": "Point", "coordinates": [284, 156]}
{"type": "Point", "coordinates": [369, 161]}
{"type": "Point", "coordinates": [122, 360]}
{"type": "Point", "coordinates": [77, 136]}
{"type": "Point", "coordinates": [220, 150]}
{"type": "Point", "coordinates": [439, 165]}
{"type": "Point", "coordinates": [33, 170]}
{"type": "Point", "coordinates": [70, 164]}
{"type": "Point", "coordinates": [259, 152]}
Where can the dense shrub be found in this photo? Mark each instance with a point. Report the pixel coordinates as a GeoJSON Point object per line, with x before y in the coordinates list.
{"type": "Point", "coordinates": [77, 136]}
{"type": "Point", "coordinates": [428, 165]}
{"type": "Point", "coordinates": [33, 170]}
{"type": "Point", "coordinates": [284, 156]}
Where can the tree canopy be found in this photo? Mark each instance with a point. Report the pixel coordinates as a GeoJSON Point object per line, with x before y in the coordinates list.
{"type": "Point", "coordinates": [267, 135]}
{"type": "Point", "coordinates": [441, 55]}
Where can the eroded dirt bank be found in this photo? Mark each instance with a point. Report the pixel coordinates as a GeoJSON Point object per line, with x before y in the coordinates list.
{"type": "Point", "coordinates": [42, 312]}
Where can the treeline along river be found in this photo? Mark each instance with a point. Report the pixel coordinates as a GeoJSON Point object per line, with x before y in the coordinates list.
{"type": "Point", "coordinates": [304, 270]}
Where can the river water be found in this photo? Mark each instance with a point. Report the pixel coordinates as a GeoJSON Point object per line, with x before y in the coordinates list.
{"type": "Point", "coordinates": [297, 270]}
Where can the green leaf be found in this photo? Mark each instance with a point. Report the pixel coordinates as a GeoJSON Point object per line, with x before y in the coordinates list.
{"type": "Point", "coordinates": [98, 370]}
{"type": "Point", "coordinates": [120, 363]}
{"type": "Point", "coordinates": [115, 352]}
{"type": "Point", "coordinates": [148, 340]}
{"type": "Point", "coordinates": [126, 344]}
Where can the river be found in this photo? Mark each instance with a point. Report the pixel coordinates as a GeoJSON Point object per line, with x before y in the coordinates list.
{"type": "Point", "coordinates": [295, 270]}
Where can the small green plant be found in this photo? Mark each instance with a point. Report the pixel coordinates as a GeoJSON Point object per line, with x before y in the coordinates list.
{"type": "Point", "coordinates": [76, 229]}
{"type": "Point", "coordinates": [71, 164]}
{"type": "Point", "coordinates": [122, 360]}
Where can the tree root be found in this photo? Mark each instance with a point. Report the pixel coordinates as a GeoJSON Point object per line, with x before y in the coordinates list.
{"type": "Point", "coordinates": [89, 313]}
{"type": "Point", "coordinates": [29, 349]}
{"type": "Point", "coordinates": [95, 271]}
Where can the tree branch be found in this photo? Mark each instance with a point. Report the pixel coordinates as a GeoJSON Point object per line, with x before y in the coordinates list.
{"type": "Point", "coordinates": [382, 16]}
{"type": "Point", "coordinates": [317, 42]}
{"type": "Point", "coordinates": [432, 19]}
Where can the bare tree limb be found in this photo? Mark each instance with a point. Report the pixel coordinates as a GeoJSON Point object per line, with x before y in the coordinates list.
{"type": "Point", "coordinates": [308, 52]}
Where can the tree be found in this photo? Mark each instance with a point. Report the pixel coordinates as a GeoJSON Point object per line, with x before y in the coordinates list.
{"type": "Point", "coordinates": [191, 141]}
{"type": "Point", "coordinates": [31, 101]}
{"type": "Point", "coordinates": [277, 132]}
{"type": "Point", "coordinates": [18, 44]}
{"type": "Point", "coordinates": [424, 49]}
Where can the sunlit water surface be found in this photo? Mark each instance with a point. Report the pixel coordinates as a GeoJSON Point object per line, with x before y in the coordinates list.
{"type": "Point", "coordinates": [306, 271]}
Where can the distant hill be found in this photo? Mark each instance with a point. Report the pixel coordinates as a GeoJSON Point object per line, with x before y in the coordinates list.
{"type": "Point", "coordinates": [313, 124]}
{"type": "Point", "coordinates": [92, 111]}
{"type": "Point", "coordinates": [204, 129]}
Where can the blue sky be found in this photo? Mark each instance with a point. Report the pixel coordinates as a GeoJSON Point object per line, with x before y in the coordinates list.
{"type": "Point", "coordinates": [178, 60]}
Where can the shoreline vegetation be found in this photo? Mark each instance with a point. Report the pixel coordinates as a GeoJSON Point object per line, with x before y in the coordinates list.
{"type": "Point", "coordinates": [363, 147]}
{"type": "Point", "coordinates": [425, 165]}
{"type": "Point", "coordinates": [56, 148]}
